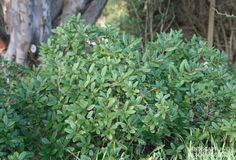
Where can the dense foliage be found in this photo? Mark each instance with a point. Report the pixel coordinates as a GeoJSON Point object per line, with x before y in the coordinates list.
{"type": "Point", "coordinates": [99, 95]}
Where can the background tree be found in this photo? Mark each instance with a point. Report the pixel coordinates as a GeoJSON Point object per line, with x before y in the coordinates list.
{"type": "Point", "coordinates": [192, 17]}
{"type": "Point", "coordinates": [30, 22]}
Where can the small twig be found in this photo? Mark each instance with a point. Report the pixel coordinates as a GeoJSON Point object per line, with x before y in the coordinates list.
{"type": "Point", "coordinates": [231, 41]}
{"type": "Point", "coordinates": [224, 36]}
{"type": "Point", "coordinates": [163, 16]}
{"type": "Point", "coordinates": [135, 9]}
{"type": "Point", "coordinates": [151, 25]}
{"type": "Point", "coordinates": [224, 14]}
{"type": "Point", "coordinates": [217, 38]}
{"type": "Point", "coordinates": [146, 22]}
{"type": "Point", "coordinates": [169, 25]}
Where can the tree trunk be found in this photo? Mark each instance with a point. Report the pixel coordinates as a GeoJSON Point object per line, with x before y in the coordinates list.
{"type": "Point", "coordinates": [93, 11]}
{"type": "Point", "coordinates": [30, 21]}
{"type": "Point", "coordinates": [211, 23]}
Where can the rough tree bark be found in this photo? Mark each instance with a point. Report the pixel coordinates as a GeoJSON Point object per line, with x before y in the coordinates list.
{"type": "Point", "coordinates": [29, 22]}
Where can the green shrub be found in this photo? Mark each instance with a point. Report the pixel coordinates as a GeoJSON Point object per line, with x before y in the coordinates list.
{"type": "Point", "coordinates": [194, 91]}
{"type": "Point", "coordinates": [12, 120]}
{"type": "Point", "coordinates": [97, 96]}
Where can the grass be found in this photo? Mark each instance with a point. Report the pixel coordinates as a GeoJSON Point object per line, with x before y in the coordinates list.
{"type": "Point", "coordinates": [213, 153]}
{"type": "Point", "coordinates": [200, 153]}
{"type": "Point", "coordinates": [193, 153]}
